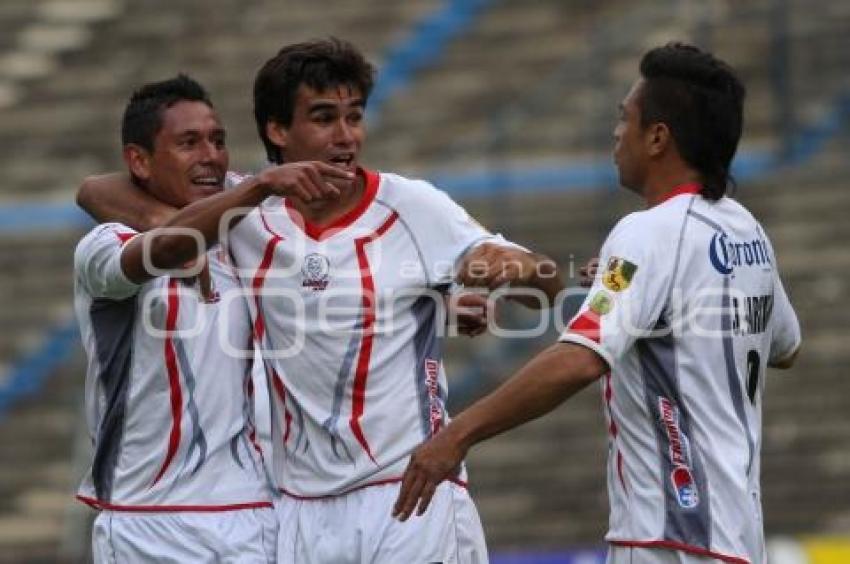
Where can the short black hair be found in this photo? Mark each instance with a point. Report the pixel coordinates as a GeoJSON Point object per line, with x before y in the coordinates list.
{"type": "Point", "coordinates": [319, 64]}
{"type": "Point", "coordinates": [143, 114]}
{"type": "Point", "coordinates": [701, 100]}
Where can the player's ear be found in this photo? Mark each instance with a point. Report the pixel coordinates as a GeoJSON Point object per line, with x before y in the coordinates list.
{"type": "Point", "coordinates": [277, 134]}
{"type": "Point", "coordinates": [138, 161]}
{"type": "Point", "coordinates": [658, 139]}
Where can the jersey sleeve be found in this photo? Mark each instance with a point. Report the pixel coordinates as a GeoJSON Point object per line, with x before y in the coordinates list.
{"type": "Point", "coordinates": [628, 297]}
{"type": "Point", "coordinates": [444, 233]}
{"type": "Point", "coordinates": [97, 262]}
{"type": "Point", "coordinates": [785, 335]}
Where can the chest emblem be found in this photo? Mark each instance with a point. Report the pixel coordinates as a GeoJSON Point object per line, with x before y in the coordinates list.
{"type": "Point", "coordinates": [315, 272]}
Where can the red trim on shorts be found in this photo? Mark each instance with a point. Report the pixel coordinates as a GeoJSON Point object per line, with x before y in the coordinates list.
{"type": "Point", "coordinates": [455, 481]}
{"type": "Point", "coordinates": [688, 188]}
{"type": "Point", "coordinates": [173, 378]}
{"type": "Point", "coordinates": [672, 545]}
{"type": "Point", "coordinates": [361, 374]}
{"type": "Point", "coordinates": [97, 504]}
{"type": "Point", "coordinates": [318, 232]}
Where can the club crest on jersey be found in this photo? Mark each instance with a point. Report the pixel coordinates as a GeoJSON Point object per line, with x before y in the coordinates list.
{"type": "Point", "coordinates": [619, 273]}
{"type": "Point", "coordinates": [315, 271]}
{"type": "Point", "coordinates": [682, 478]}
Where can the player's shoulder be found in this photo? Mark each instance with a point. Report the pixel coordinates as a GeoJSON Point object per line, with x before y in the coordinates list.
{"type": "Point", "coordinates": [108, 232]}
{"type": "Point", "coordinates": [410, 194]}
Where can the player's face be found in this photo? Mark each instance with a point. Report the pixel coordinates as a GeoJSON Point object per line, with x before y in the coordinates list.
{"type": "Point", "coordinates": [629, 146]}
{"type": "Point", "coordinates": [326, 126]}
{"type": "Point", "coordinates": [190, 158]}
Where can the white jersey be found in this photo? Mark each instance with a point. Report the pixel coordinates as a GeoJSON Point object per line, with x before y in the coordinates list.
{"type": "Point", "coordinates": [349, 318]}
{"type": "Point", "coordinates": [167, 398]}
{"type": "Point", "coordinates": [687, 313]}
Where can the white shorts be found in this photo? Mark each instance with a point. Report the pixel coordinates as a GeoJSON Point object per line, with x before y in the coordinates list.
{"type": "Point", "coordinates": [639, 555]}
{"type": "Point", "coordinates": [358, 528]}
{"type": "Point", "coordinates": [241, 536]}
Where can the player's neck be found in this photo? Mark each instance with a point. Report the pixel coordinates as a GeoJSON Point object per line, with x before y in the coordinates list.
{"type": "Point", "coordinates": [325, 212]}
{"type": "Point", "coordinates": [661, 183]}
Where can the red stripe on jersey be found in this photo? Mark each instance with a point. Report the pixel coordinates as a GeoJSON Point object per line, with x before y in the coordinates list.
{"type": "Point", "coordinates": [586, 325]}
{"type": "Point", "coordinates": [260, 277]}
{"type": "Point", "coordinates": [281, 392]}
{"type": "Point", "coordinates": [367, 285]}
{"type": "Point", "coordinates": [371, 181]}
{"type": "Point", "coordinates": [612, 427]}
{"type": "Point", "coordinates": [97, 504]}
{"type": "Point", "coordinates": [173, 377]}
{"type": "Point", "coordinates": [672, 545]}
{"type": "Point", "coordinates": [455, 481]}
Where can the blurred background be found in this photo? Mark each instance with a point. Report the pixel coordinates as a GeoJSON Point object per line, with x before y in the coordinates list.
{"type": "Point", "coordinates": [509, 106]}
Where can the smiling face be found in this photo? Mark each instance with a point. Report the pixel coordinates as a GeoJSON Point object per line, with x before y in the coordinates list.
{"type": "Point", "coordinates": [326, 126]}
{"type": "Point", "coordinates": [189, 159]}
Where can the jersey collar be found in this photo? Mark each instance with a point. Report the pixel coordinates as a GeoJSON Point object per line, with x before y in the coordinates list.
{"type": "Point", "coordinates": [687, 188]}
{"type": "Point", "coordinates": [318, 232]}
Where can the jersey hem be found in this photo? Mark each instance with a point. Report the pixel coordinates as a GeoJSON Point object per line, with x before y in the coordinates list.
{"type": "Point", "coordinates": [455, 481]}
{"type": "Point", "coordinates": [672, 545]}
{"type": "Point", "coordinates": [102, 505]}
{"type": "Point", "coordinates": [570, 337]}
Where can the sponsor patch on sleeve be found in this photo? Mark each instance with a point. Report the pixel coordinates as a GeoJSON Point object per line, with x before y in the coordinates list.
{"type": "Point", "coordinates": [618, 274]}
{"type": "Point", "coordinates": [601, 303]}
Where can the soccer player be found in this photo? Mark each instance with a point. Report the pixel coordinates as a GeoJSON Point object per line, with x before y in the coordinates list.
{"type": "Point", "coordinates": [680, 325]}
{"type": "Point", "coordinates": [346, 294]}
{"type": "Point", "coordinates": [176, 472]}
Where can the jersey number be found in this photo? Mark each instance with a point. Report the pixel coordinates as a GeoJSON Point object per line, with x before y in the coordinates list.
{"type": "Point", "coordinates": [753, 369]}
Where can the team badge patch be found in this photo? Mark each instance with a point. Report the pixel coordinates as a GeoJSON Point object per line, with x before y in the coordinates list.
{"type": "Point", "coordinates": [619, 273]}
{"type": "Point", "coordinates": [315, 271]}
{"type": "Point", "coordinates": [601, 303]}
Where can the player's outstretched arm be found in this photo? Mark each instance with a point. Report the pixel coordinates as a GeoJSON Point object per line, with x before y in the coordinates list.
{"type": "Point", "coordinates": [173, 245]}
{"type": "Point", "coordinates": [113, 197]}
{"type": "Point", "coordinates": [539, 387]}
{"type": "Point", "coordinates": [491, 265]}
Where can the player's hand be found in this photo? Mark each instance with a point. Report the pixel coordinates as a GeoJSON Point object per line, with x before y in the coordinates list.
{"type": "Point", "coordinates": [490, 265]}
{"type": "Point", "coordinates": [434, 461]}
{"type": "Point", "coordinates": [469, 311]}
{"type": "Point", "coordinates": [306, 180]}
{"type": "Point", "coordinates": [588, 273]}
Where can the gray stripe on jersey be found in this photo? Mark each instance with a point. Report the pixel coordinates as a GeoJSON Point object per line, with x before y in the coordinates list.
{"type": "Point", "coordinates": [112, 324]}
{"type": "Point", "coordinates": [412, 238]}
{"type": "Point", "coordinates": [729, 352]}
{"type": "Point", "coordinates": [684, 522]}
{"type": "Point", "coordinates": [705, 220]}
{"type": "Point", "coordinates": [427, 346]}
{"type": "Point", "coordinates": [331, 423]}
{"type": "Point", "coordinates": [732, 371]}
{"type": "Point", "coordinates": [199, 440]}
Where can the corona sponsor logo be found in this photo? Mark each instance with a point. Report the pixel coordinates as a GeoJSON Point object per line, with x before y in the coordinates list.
{"type": "Point", "coordinates": [726, 255]}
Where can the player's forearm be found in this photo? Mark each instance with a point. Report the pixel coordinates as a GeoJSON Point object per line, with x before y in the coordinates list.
{"type": "Point", "coordinates": [546, 278]}
{"type": "Point", "coordinates": [539, 387]}
{"type": "Point", "coordinates": [114, 197]}
{"type": "Point", "coordinates": [208, 218]}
